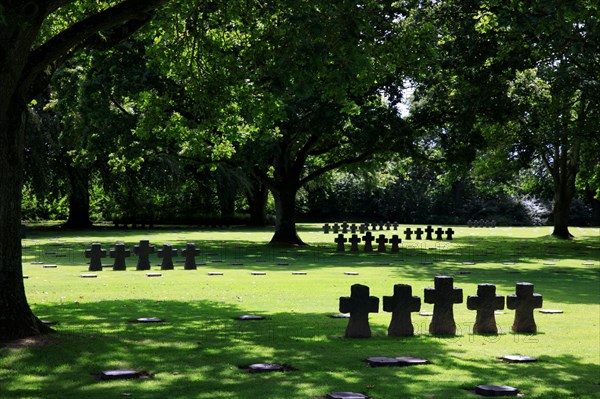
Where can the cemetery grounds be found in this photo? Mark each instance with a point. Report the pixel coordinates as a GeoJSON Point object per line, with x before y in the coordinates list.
{"type": "Point", "coordinates": [197, 352]}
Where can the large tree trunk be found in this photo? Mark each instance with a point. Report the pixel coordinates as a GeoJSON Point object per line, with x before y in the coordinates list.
{"type": "Point", "coordinates": [16, 318]}
{"type": "Point", "coordinates": [285, 224]}
{"type": "Point", "coordinates": [564, 175]}
{"type": "Point", "coordinates": [79, 198]}
{"type": "Point", "coordinates": [257, 203]}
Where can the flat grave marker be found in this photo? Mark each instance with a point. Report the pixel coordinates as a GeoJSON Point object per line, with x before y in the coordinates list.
{"type": "Point", "coordinates": [496, 390]}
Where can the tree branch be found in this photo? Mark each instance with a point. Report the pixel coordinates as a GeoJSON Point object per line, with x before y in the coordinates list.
{"type": "Point", "coordinates": [335, 165]}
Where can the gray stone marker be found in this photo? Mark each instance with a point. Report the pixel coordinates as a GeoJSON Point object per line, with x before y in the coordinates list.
{"type": "Point", "coordinates": [496, 390]}
{"type": "Point", "coordinates": [346, 395]}
{"type": "Point", "coordinates": [443, 297]}
{"type": "Point", "coordinates": [428, 232]}
{"type": "Point", "coordinates": [266, 367]}
{"type": "Point", "coordinates": [523, 302]}
{"type": "Point", "coordinates": [486, 302]}
{"type": "Point", "coordinates": [95, 255]}
{"type": "Point", "coordinates": [122, 374]}
{"type": "Point", "coordinates": [368, 240]}
{"type": "Point", "coordinates": [340, 240]}
{"type": "Point", "coordinates": [167, 253]}
{"type": "Point", "coordinates": [395, 241]}
{"type": "Point", "coordinates": [518, 359]}
{"type": "Point", "coordinates": [190, 252]}
{"type": "Point", "coordinates": [381, 241]}
{"type": "Point", "coordinates": [401, 304]}
{"type": "Point", "coordinates": [143, 251]}
{"type": "Point", "coordinates": [119, 254]}
{"type": "Point", "coordinates": [359, 304]}
{"type": "Point", "coordinates": [408, 233]}
{"type": "Point", "coordinates": [354, 241]}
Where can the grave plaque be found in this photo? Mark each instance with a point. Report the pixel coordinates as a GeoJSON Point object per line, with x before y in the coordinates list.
{"type": "Point", "coordinates": [359, 304]}
{"type": "Point", "coordinates": [95, 254]}
{"type": "Point", "coordinates": [518, 359]}
{"type": "Point", "coordinates": [250, 317]}
{"type": "Point", "coordinates": [266, 367]}
{"type": "Point", "coordinates": [381, 241]}
{"type": "Point", "coordinates": [496, 390]}
{"type": "Point", "coordinates": [119, 254]}
{"type": "Point", "coordinates": [143, 251]}
{"type": "Point", "coordinates": [354, 241]}
{"type": "Point", "coordinates": [190, 252]}
{"type": "Point", "coordinates": [443, 297]}
{"type": "Point", "coordinates": [121, 374]}
{"type": "Point", "coordinates": [340, 240]}
{"type": "Point", "coordinates": [523, 302]}
{"type": "Point", "coordinates": [167, 253]}
{"type": "Point", "coordinates": [346, 395]}
{"type": "Point", "coordinates": [368, 240]}
{"type": "Point", "coordinates": [429, 231]}
{"type": "Point", "coordinates": [401, 304]}
{"type": "Point", "coordinates": [485, 303]}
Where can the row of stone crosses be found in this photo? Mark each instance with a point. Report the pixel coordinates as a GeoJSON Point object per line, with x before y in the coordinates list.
{"type": "Point", "coordinates": [344, 228]}
{"type": "Point", "coordinates": [143, 251]}
{"type": "Point", "coordinates": [382, 240]}
{"type": "Point", "coordinates": [443, 297]}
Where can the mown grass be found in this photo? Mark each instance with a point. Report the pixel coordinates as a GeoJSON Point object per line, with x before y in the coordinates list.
{"type": "Point", "coordinates": [198, 351]}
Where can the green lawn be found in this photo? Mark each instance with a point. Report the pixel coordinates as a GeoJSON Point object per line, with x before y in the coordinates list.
{"type": "Point", "coordinates": [196, 353]}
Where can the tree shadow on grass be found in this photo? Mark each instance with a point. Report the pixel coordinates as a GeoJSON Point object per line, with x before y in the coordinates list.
{"type": "Point", "coordinates": [196, 354]}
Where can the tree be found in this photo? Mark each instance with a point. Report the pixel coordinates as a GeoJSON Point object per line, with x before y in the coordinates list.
{"type": "Point", "coordinates": [31, 48]}
{"type": "Point", "coordinates": [525, 74]}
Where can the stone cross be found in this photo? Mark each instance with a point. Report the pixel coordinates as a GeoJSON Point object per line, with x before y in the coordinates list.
{"type": "Point", "coordinates": [523, 302]}
{"type": "Point", "coordinates": [439, 232]}
{"type": "Point", "coordinates": [429, 230]}
{"type": "Point", "coordinates": [395, 241]}
{"type": "Point", "coordinates": [485, 303]}
{"type": "Point", "coordinates": [190, 252]}
{"type": "Point", "coordinates": [395, 225]}
{"type": "Point", "coordinates": [326, 228]}
{"type": "Point", "coordinates": [340, 240]}
{"type": "Point", "coordinates": [374, 226]}
{"type": "Point", "coordinates": [408, 233]}
{"type": "Point", "coordinates": [443, 297]}
{"type": "Point", "coordinates": [388, 225]}
{"type": "Point", "coordinates": [368, 240]}
{"type": "Point", "coordinates": [380, 225]}
{"type": "Point", "coordinates": [167, 253]}
{"type": "Point", "coordinates": [362, 228]}
{"type": "Point", "coordinates": [336, 228]}
{"type": "Point", "coordinates": [359, 304]}
{"type": "Point", "coordinates": [449, 233]}
{"type": "Point", "coordinates": [143, 251]}
{"type": "Point", "coordinates": [345, 227]}
{"type": "Point", "coordinates": [419, 234]}
{"type": "Point", "coordinates": [353, 228]}
{"type": "Point", "coordinates": [402, 304]}
{"type": "Point", "coordinates": [119, 254]}
{"type": "Point", "coordinates": [354, 240]}
{"type": "Point", "coordinates": [381, 241]}
{"type": "Point", "coordinates": [95, 254]}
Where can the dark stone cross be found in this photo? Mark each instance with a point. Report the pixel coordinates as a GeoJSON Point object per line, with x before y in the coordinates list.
{"type": "Point", "coordinates": [326, 228]}
{"type": "Point", "coordinates": [143, 251]}
{"type": "Point", "coordinates": [408, 233]}
{"type": "Point", "coordinates": [523, 302]}
{"type": "Point", "coordinates": [449, 233]}
{"type": "Point", "coordinates": [419, 234]}
{"type": "Point", "coordinates": [167, 253]}
{"type": "Point", "coordinates": [340, 240]}
{"type": "Point", "coordinates": [354, 240]}
{"type": "Point", "coordinates": [395, 241]}
{"type": "Point", "coordinates": [388, 225]}
{"type": "Point", "coordinates": [190, 252]}
{"type": "Point", "coordinates": [362, 228]}
{"type": "Point", "coordinates": [359, 304]}
{"type": "Point", "coordinates": [429, 230]}
{"type": "Point", "coordinates": [95, 254]}
{"type": "Point", "coordinates": [336, 228]}
{"type": "Point", "coordinates": [380, 224]}
{"type": "Point", "coordinates": [439, 232]}
{"type": "Point", "coordinates": [443, 297]}
{"type": "Point", "coordinates": [402, 304]}
{"type": "Point", "coordinates": [368, 240]}
{"type": "Point", "coordinates": [345, 227]}
{"type": "Point", "coordinates": [353, 228]}
{"type": "Point", "coordinates": [119, 254]}
{"type": "Point", "coordinates": [374, 226]}
{"type": "Point", "coordinates": [381, 241]}
{"type": "Point", "coordinates": [395, 225]}
{"type": "Point", "coordinates": [485, 303]}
